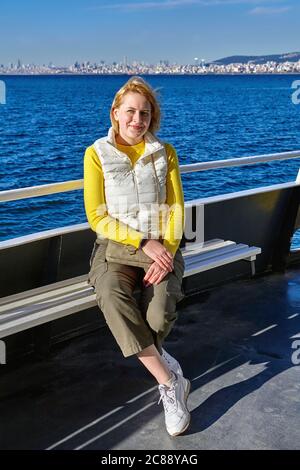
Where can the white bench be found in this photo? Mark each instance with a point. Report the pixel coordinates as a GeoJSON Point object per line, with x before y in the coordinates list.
{"type": "Point", "coordinates": [213, 253]}
{"type": "Point", "coordinates": [35, 307]}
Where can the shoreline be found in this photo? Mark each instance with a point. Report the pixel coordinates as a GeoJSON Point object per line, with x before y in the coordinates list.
{"type": "Point", "coordinates": [144, 74]}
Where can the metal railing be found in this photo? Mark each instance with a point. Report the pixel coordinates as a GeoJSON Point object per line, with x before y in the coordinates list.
{"type": "Point", "coordinates": [46, 189]}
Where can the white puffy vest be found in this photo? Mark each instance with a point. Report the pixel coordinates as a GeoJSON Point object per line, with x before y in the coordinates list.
{"type": "Point", "coordinates": [136, 195]}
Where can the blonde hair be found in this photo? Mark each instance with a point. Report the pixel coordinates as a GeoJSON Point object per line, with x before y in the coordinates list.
{"type": "Point", "coordinates": [137, 85]}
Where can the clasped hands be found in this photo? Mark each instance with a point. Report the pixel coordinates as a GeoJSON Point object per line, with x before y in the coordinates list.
{"type": "Point", "coordinates": [162, 262]}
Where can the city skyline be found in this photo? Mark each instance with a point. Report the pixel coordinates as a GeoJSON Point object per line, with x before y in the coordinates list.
{"type": "Point", "coordinates": [269, 66]}
{"type": "Point", "coordinates": [179, 31]}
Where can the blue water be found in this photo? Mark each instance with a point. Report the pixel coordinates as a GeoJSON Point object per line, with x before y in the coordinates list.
{"type": "Point", "coordinates": [48, 122]}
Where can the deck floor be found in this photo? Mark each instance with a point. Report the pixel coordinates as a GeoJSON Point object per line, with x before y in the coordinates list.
{"type": "Point", "coordinates": [235, 345]}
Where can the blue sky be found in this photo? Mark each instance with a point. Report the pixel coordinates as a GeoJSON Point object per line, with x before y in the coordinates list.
{"type": "Point", "coordinates": [63, 31]}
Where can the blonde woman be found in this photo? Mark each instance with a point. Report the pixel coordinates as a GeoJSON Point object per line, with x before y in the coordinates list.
{"type": "Point", "coordinates": [134, 202]}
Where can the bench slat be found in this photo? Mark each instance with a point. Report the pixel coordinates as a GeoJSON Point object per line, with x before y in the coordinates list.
{"type": "Point", "coordinates": [217, 252]}
{"type": "Point", "coordinates": [35, 305]}
{"type": "Point", "coordinates": [195, 265]}
{"type": "Point", "coordinates": [50, 314]}
{"type": "Point", "coordinates": [49, 295]}
{"type": "Point", "coordinates": [209, 245]}
{"type": "Point", "coordinates": [42, 289]}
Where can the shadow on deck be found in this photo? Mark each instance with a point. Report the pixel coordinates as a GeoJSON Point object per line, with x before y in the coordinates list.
{"type": "Point", "coordinates": [233, 342]}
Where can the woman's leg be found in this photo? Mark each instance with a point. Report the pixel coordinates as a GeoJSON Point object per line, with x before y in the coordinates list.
{"type": "Point", "coordinates": [114, 285]}
{"type": "Point", "coordinates": [158, 303]}
{"type": "Point", "coordinates": [114, 291]}
{"type": "Point", "coordinates": [153, 361]}
{"type": "Point", "coordinates": [115, 296]}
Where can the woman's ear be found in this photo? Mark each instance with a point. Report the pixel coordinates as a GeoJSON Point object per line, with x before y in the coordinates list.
{"type": "Point", "coordinates": [116, 114]}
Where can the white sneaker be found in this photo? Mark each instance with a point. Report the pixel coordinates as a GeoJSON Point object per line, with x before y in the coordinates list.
{"type": "Point", "coordinates": [174, 398]}
{"type": "Point", "coordinates": [172, 363]}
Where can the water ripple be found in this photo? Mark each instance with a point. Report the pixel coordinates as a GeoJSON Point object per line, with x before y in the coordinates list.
{"type": "Point", "coordinates": [49, 121]}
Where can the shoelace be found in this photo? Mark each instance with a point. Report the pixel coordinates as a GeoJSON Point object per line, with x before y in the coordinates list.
{"type": "Point", "coordinates": [167, 396]}
{"type": "Point", "coordinates": [169, 361]}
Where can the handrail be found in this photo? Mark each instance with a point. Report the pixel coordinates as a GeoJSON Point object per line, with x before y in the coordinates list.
{"type": "Point", "coordinates": [42, 190]}
{"type": "Point", "coordinates": [65, 186]}
{"type": "Point", "coordinates": [56, 232]}
{"type": "Point", "coordinates": [230, 162]}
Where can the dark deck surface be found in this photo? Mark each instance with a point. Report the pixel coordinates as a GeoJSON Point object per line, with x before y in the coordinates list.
{"type": "Point", "coordinates": [235, 345]}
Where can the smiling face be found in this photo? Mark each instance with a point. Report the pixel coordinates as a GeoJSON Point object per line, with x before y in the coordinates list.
{"type": "Point", "coordinates": [133, 117]}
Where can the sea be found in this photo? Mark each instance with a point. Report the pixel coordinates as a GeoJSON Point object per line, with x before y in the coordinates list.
{"type": "Point", "coordinates": [48, 121]}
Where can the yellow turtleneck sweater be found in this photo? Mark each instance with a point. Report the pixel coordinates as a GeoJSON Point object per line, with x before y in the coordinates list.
{"type": "Point", "coordinates": [114, 229]}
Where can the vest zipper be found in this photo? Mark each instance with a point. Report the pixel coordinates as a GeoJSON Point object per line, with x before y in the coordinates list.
{"type": "Point", "coordinates": [156, 180]}
{"type": "Point", "coordinates": [137, 193]}
{"type": "Point", "coordinates": [135, 180]}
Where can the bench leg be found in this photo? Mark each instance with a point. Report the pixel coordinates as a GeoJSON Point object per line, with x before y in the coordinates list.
{"type": "Point", "coordinates": [252, 268]}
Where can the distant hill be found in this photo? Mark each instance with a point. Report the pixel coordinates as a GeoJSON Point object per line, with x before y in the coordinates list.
{"type": "Point", "coordinates": [258, 59]}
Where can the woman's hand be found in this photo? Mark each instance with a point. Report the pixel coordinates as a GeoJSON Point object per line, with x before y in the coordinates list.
{"type": "Point", "coordinates": [154, 275]}
{"type": "Point", "coordinates": [155, 250]}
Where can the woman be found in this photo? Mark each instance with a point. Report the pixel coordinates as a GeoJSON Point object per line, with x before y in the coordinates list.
{"type": "Point", "coordinates": [133, 197]}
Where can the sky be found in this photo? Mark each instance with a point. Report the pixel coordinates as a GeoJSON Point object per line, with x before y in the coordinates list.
{"type": "Point", "coordinates": [63, 31]}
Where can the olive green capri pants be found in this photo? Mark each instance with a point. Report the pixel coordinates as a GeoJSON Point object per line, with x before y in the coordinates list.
{"type": "Point", "coordinates": [135, 323]}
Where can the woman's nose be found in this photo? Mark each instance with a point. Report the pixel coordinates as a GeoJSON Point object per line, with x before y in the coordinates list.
{"type": "Point", "coordinates": [137, 116]}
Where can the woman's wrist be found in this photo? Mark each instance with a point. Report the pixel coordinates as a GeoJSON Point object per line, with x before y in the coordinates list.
{"type": "Point", "coordinates": [143, 242]}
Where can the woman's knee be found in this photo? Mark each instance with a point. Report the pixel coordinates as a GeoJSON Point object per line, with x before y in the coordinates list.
{"type": "Point", "coordinates": [161, 321]}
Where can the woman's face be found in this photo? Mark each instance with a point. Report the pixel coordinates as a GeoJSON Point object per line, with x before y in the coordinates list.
{"type": "Point", "coordinates": [133, 117]}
